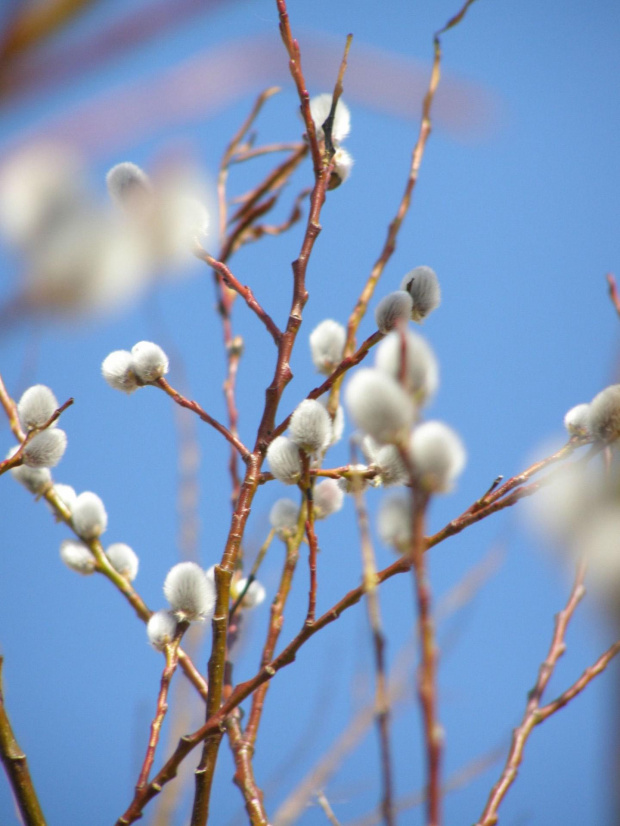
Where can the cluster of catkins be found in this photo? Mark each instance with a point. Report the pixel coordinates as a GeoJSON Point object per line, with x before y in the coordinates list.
{"type": "Point", "coordinates": [385, 403]}
{"type": "Point", "coordinates": [46, 448]}
{"type": "Point", "coordinates": [320, 107]}
{"type": "Point", "coordinates": [126, 371]}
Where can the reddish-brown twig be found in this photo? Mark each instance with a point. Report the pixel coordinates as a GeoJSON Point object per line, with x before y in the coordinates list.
{"type": "Point", "coordinates": [245, 292]}
{"type": "Point", "coordinates": [531, 716]}
{"type": "Point", "coordinates": [196, 408]}
{"type": "Point", "coordinates": [244, 773]}
{"type": "Point", "coordinates": [16, 768]}
{"type": "Point", "coordinates": [171, 654]}
{"type": "Point", "coordinates": [613, 291]}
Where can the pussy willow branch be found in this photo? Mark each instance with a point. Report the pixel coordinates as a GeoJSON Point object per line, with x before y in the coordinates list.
{"type": "Point", "coordinates": [16, 768]}
{"type": "Point", "coordinates": [103, 566]}
{"type": "Point", "coordinates": [244, 773]}
{"type": "Point", "coordinates": [16, 458]}
{"type": "Point", "coordinates": [382, 703]}
{"type": "Point", "coordinates": [196, 408]}
{"type": "Point", "coordinates": [531, 716]}
{"type": "Point", "coordinates": [245, 292]}
{"type": "Point", "coordinates": [256, 232]}
{"type": "Point", "coordinates": [171, 654]}
{"type": "Point", "coordinates": [346, 364]}
{"type": "Point", "coordinates": [287, 656]}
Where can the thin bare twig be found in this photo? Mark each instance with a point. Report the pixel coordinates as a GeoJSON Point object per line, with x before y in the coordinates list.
{"type": "Point", "coordinates": [531, 717]}
{"type": "Point", "coordinates": [329, 812]}
{"type": "Point", "coordinates": [382, 702]}
{"type": "Point", "coordinates": [16, 768]}
{"type": "Point", "coordinates": [196, 408]}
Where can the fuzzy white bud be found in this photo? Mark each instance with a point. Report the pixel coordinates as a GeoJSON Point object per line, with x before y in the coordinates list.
{"type": "Point", "coordinates": [379, 406]}
{"type": "Point", "coordinates": [423, 287]}
{"type": "Point", "coordinates": [89, 516]}
{"type": "Point", "coordinates": [387, 460]}
{"type": "Point", "coordinates": [438, 456]}
{"type": "Point", "coordinates": [123, 559]}
{"type": "Point", "coordinates": [343, 164]}
{"type": "Point", "coordinates": [283, 517]}
{"type": "Point", "coordinates": [66, 494]}
{"type": "Point", "coordinates": [393, 310]}
{"type": "Point", "coordinates": [36, 406]}
{"type": "Point", "coordinates": [604, 414]}
{"type": "Point", "coordinates": [160, 629]}
{"type": "Point", "coordinates": [127, 183]}
{"type": "Point", "coordinates": [190, 592]}
{"type": "Point", "coordinates": [253, 596]}
{"type": "Point", "coordinates": [149, 361]}
{"type": "Point", "coordinates": [576, 420]}
{"type": "Point", "coordinates": [394, 522]}
{"type": "Point", "coordinates": [337, 421]}
{"type": "Point", "coordinates": [311, 426]}
{"type": "Point", "coordinates": [419, 374]}
{"type": "Point", "coordinates": [118, 370]}
{"type": "Point", "coordinates": [320, 107]}
{"type": "Point", "coordinates": [284, 461]}
{"type": "Point", "coordinates": [328, 497]}
{"type": "Point", "coordinates": [36, 480]}
{"type": "Point", "coordinates": [46, 448]}
{"type": "Point", "coordinates": [327, 342]}
{"type": "Point", "coordinates": [77, 556]}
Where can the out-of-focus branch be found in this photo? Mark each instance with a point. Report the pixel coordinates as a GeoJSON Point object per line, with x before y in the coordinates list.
{"type": "Point", "coordinates": [382, 702]}
{"type": "Point", "coordinates": [613, 291]}
{"type": "Point", "coordinates": [531, 716]}
{"type": "Point", "coordinates": [16, 768]}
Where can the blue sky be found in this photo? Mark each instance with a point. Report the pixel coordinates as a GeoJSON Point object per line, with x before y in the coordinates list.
{"type": "Point", "coordinates": [517, 211]}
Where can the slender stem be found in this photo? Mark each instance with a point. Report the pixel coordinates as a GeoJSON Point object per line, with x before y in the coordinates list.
{"type": "Point", "coordinates": [171, 654]}
{"type": "Point", "coordinates": [245, 292]}
{"type": "Point", "coordinates": [196, 408]}
{"type": "Point", "coordinates": [427, 672]}
{"type": "Point", "coordinates": [382, 702]}
{"type": "Point", "coordinates": [244, 773]}
{"type": "Point", "coordinates": [532, 717]}
{"type": "Point", "coordinates": [16, 768]}
{"type": "Point", "coordinates": [273, 634]}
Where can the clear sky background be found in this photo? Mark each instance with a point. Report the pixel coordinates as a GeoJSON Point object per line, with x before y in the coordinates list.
{"type": "Point", "coordinates": [517, 210]}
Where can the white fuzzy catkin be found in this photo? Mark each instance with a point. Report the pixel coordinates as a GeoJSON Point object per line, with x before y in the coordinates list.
{"type": "Point", "coordinates": [391, 466]}
{"type": "Point", "coordinates": [394, 522]}
{"type": "Point", "coordinates": [423, 287]}
{"type": "Point", "coordinates": [343, 164]}
{"type": "Point", "coordinates": [379, 406]}
{"type": "Point", "coordinates": [320, 107]}
{"type": "Point", "coordinates": [337, 421]}
{"type": "Point", "coordinates": [253, 596]}
{"type": "Point", "coordinates": [604, 414]}
{"type": "Point", "coordinates": [46, 448]}
{"type": "Point", "coordinates": [328, 498]}
{"type": "Point", "coordinates": [127, 182]}
{"type": "Point", "coordinates": [36, 480]}
{"type": "Point", "coordinates": [118, 370]}
{"type": "Point", "coordinates": [284, 461]}
{"type": "Point", "coordinates": [327, 342]}
{"type": "Point", "coordinates": [283, 517]}
{"type": "Point", "coordinates": [577, 419]}
{"type": "Point", "coordinates": [311, 426]}
{"type": "Point", "coordinates": [89, 516]}
{"type": "Point", "coordinates": [66, 494]}
{"type": "Point", "coordinates": [124, 560]}
{"type": "Point", "coordinates": [77, 556]}
{"type": "Point", "coordinates": [36, 406]}
{"type": "Point", "coordinates": [149, 361]}
{"type": "Point", "coordinates": [190, 592]}
{"type": "Point", "coordinates": [160, 629]}
{"type": "Point", "coordinates": [420, 375]}
{"type": "Point", "coordinates": [393, 310]}
{"type": "Point", "coordinates": [438, 456]}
